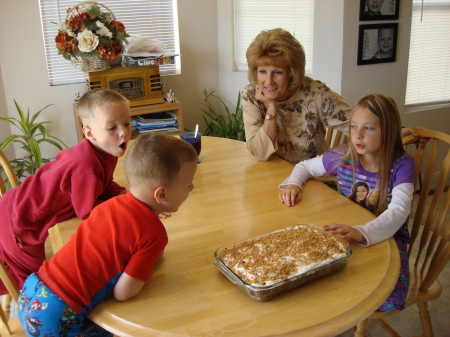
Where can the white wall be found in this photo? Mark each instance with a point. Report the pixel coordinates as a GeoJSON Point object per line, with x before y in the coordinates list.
{"type": "Point", "coordinates": [336, 50]}
{"type": "Point", "coordinates": [206, 34]}
{"type": "Point", "coordinates": [336, 32]}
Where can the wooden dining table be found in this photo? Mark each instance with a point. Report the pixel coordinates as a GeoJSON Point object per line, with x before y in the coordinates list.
{"type": "Point", "coordinates": [235, 198]}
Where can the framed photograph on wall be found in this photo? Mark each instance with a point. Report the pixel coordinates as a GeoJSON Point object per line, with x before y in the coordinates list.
{"type": "Point", "coordinates": [377, 43]}
{"type": "Point", "coordinates": [370, 10]}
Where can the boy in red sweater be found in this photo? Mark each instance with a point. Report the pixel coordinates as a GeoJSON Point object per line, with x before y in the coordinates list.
{"type": "Point", "coordinates": [113, 252]}
{"type": "Point", "coordinates": [72, 185]}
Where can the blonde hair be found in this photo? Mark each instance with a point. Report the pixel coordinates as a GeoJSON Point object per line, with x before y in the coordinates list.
{"type": "Point", "coordinates": [384, 107]}
{"type": "Point", "coordinates": [277, 47]}
{"type": "Point", "coordinates": [156, 158]}
{"type": "Point", "coordinates": [92, 100]}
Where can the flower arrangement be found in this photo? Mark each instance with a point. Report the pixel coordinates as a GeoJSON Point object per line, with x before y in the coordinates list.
{"type": "Point", "coordinates": [87, 31]}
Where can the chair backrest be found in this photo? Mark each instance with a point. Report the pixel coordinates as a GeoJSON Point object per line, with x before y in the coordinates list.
{"type": "Point", "coordinates": [335, 138]}
{"type": "Point", "coordinates": [431, 220]}
{"type": "Point", "coordinates": [9, 173]}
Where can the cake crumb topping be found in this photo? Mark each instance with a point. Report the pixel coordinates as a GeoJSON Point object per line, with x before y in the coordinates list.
{"type": "Point", "coordinates": [282, 254]}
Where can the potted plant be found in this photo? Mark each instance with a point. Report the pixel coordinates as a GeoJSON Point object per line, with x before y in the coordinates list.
{"type": "Point", "coordinates": [230, 125]}
{"type": "Point", "coordinates": [32, 135]}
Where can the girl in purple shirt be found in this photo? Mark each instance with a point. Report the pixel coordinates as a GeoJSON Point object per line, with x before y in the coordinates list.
{"type": "Point", "coordinates": [375, 158]}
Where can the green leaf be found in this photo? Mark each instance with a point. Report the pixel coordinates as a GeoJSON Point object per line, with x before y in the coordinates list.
{"type": "Point", "coordinates": [36, 114]}
{"type": "Point", "coordinates": [5, 143]}
{"type": "Point", "coordinates": [228, 125]}
{"type": "Point", "coordinates": [31, 135]}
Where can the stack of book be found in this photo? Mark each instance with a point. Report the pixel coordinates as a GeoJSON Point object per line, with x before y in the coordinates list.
{"type": "Point", "coordinates": [155, 122]}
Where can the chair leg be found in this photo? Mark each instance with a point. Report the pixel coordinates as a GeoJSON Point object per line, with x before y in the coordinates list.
{"type": "Point", "coordinates": [425, 319]}
{"type": "Point", "coordinates": [4, 322]}
{"type": "Point", "coordinates": [387, 327]}
{"type": "Point", "coordinates": [6, 304]}
{"type": "Point", "coordinates": [360, 327]}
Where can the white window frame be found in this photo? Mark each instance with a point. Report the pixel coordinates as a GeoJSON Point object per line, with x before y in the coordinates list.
{"type": "Point", "coordinates": [428, 81]}
{"type": "Point", "coordinates": [253, 16]}
{"type": "Point", "coordinates": [153, 19]}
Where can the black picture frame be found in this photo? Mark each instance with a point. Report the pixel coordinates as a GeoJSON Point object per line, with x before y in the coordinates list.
{"type": "Point", "coordinates": [369, 50]}
{"type": "Point", "coordinates": [388, 11]}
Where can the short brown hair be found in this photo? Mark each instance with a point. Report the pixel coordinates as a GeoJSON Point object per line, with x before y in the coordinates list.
{"type": "Point", "coordinates": [98, 98]}
{"type": "Point", "coordinates": [280, 48]}
{"type": "Point", "coordinates": [156, 158]}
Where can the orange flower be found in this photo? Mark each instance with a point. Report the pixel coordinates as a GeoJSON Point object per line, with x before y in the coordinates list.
{"type": "Point", "coordinates": [61, 40]}
{"type": "Point", "coordinates": [117, 25]}
{"type": "Point", "coordinates": [79, 20]}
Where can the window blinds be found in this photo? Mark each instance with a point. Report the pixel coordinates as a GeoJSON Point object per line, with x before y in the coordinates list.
{"type": "Point", "coordinates": [153, 19]}
{"type": "Point", "coordinates": [429, 53]}
{"type": "Point", "coordinates": [253, 16]}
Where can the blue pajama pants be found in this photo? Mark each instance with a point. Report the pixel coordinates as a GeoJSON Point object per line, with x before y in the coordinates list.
{"type": "Point", "coordinates": [43, 313]}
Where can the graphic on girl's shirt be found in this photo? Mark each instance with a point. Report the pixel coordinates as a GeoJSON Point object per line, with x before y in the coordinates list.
{"type": "Point", "coordinates": [362, 195]}
{"type": "Point", "coordinates": [372, 200]}
{"type": "Point", "coordinates": [359, 193]}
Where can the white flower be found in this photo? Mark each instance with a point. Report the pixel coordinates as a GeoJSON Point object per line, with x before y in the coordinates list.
{"type": "Point", "coordinates": [84, 7]}
{"type": "Point", "coordinates": [87, 41]}
{"type": "Point", "coordinates": [103, 31]}
{"type": "Point", "coordinates": [62, 26]}
{"type": "Point", "coordinates": [71, 33]}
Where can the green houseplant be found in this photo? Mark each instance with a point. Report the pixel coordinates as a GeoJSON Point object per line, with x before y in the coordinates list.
{"type": "Point", "coordinates": [32, 135]}
{"type": "Point", "coordinates": [230, 125]}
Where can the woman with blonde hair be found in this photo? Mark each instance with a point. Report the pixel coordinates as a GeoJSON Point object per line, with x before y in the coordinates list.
{"type": "Point", "coordinates": [286, 112]}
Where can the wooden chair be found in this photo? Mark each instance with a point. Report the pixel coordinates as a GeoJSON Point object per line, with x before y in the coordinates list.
{"type": "Point", "coordinates": [9, 173]}
{"type": "Point", "coordinates": [6, 299]}
{"type": "Point", "coordinates": [430, 230]}
{"type": "Point", "coordinates": [334, 138]}
{"type": "Point", "coordinates": [10, 327]}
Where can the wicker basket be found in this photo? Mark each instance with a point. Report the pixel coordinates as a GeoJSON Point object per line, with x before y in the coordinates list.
{"type": "Point", "coordinates": [92, 63]}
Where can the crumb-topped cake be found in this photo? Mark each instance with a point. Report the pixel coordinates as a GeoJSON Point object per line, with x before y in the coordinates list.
{"type": "Point", "coordinates": [282, 254]}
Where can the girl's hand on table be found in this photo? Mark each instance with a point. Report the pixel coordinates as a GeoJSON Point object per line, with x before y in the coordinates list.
{"type": "Point", "coordinates": [291, 195]}
{"type": "Point", "coordinates": [347, 232]}
{"type": "Point", "coordinates": [164, 215]}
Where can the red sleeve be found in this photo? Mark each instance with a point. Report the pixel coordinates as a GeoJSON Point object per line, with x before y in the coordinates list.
{"type": "Point", "coordinates": [84, 192]}
{"type": "Point", "coordinates": [148, 252]}
{"type": "Point", "coordinates": [113, 189]}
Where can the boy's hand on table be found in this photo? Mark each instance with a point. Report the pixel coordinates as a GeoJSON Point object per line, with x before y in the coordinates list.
{"type": "Point", "coordinates": [164, 215]}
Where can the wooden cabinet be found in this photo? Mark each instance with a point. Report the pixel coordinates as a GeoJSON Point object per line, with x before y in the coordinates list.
{"type": "Point", "coordinates": [174, 107]}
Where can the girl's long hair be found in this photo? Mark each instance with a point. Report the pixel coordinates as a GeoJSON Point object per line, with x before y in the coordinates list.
{"type": "Point", "coordinates": [391, 147]}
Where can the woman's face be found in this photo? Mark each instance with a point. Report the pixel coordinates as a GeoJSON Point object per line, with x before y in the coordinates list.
{"type": "Point", "coordinates": [274, 82]}
{"type": "Point", "coordinates": [361, 193]}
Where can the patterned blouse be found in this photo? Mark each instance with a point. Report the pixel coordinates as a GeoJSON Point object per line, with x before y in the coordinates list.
{"type": "Point", "coordinates": [301, 121]}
